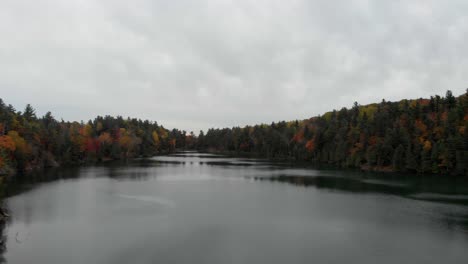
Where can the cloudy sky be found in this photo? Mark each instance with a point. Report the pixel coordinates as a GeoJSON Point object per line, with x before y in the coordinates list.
{"type": "Point", "coordinates": [216, 63]}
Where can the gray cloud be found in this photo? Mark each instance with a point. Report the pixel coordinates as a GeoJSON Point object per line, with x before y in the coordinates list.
{"type": "Point", "coordinates": [207, 63]}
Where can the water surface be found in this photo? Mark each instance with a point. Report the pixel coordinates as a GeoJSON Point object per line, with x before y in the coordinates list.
{"type": "Point", "coordinates": [201, 208]}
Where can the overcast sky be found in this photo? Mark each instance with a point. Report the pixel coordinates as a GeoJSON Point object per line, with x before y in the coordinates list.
{"type": "Point", "coordinates": [217, 63]}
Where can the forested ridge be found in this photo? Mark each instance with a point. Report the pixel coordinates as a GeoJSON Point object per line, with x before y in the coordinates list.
{"type": "Point", "coordinates": [28, 142]}
{"type": "Point", "coordinates": [422, 135]}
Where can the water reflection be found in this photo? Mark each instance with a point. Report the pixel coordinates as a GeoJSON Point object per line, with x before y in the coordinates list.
{"type": "Point", "coordinates": [3, 236]}
{"type": "Point", "coordinates": [132, 173]}
{"type": "Point", "coordinates": [201, 208]}
{"type": "Point", "coordinates": [425, 189]}
{"type": "Point", "coordinates": [336, 183]}
{"type": "Point", "coordinates": [21, 183]}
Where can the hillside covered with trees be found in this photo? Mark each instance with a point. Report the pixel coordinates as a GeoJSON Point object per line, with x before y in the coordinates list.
{"type": "Point", "coordinates": [423, 135]}
{"type": "Point", "coordinates": [28, 142]}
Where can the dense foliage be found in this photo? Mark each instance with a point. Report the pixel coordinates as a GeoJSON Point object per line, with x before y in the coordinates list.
{"type": "Point", "coordinates": [424, 135]}
{"type": "Point", "coordinates": [28, 142]}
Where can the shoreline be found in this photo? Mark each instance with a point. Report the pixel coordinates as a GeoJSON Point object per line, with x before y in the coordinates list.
{"type": "Point", "coordinates": [364, 168]}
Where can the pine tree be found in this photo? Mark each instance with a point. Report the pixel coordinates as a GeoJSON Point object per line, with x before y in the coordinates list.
{"type": "Point", "coordinates": [399, 158]}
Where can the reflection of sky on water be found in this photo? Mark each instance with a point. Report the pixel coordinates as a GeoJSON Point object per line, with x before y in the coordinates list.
{"type": "Point", "coordinates": [143, 209]}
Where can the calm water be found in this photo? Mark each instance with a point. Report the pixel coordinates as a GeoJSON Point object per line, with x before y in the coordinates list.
{"type": "Point", "coordinates": [197, 208]}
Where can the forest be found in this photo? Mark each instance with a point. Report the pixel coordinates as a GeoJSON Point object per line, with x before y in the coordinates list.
{"type": "Point", "coordinates": [420, 136]}
{"type": "Point", "coordinates": [28, 142]}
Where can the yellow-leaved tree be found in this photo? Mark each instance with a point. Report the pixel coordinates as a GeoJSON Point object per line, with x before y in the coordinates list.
{"type": "Point", "coordinates": [156, 141]}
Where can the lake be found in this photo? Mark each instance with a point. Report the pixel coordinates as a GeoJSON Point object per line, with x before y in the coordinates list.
{"type": "Point", "coordinates": [201, 208]}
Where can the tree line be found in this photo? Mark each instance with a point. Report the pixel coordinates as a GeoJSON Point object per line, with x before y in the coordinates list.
{"type": "Point", "coordinates": [28, 142]}
{"type": "Point", "coordinates": [423, 136]}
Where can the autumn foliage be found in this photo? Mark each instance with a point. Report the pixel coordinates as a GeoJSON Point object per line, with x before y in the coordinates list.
{"type": "Point", "coordinates": [28, 142]}
{"type": "Point", "coordinates": [422, 135]}
{"type": "Point", "coordinates": [7, 144]}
